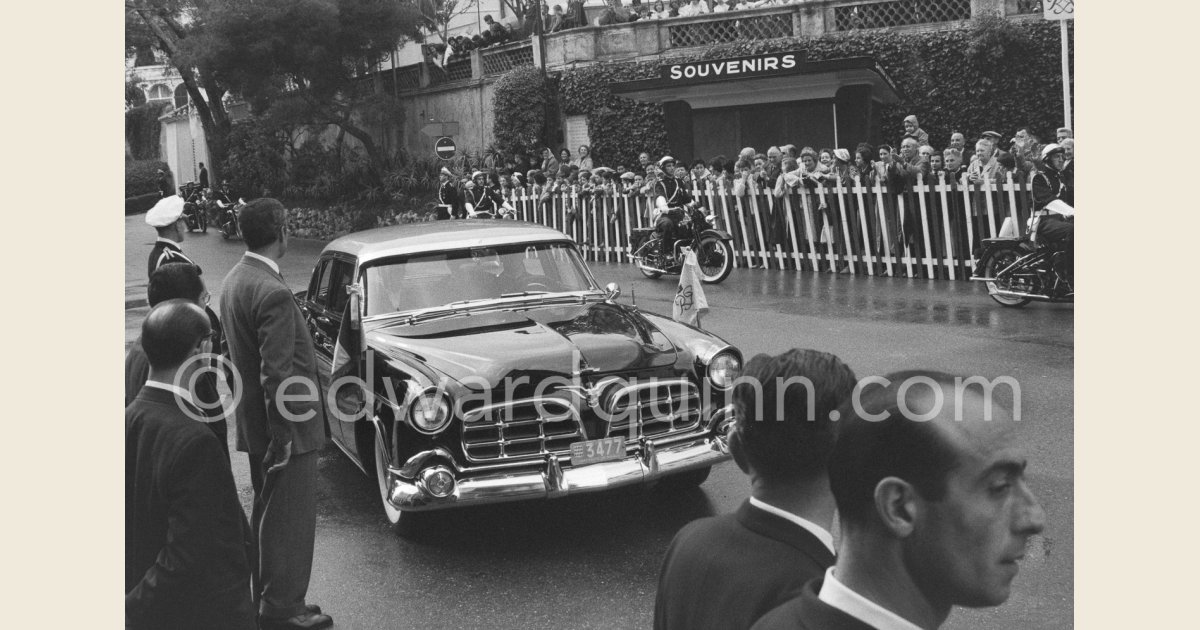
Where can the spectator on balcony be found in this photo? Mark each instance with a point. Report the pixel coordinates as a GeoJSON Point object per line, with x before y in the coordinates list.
{"type": "Point", "coordinates": [659, 12]}
{"type": "Point", "coordinates": [644, 160]}
{"type": "Point", "coordinates": [693, 8]}
{"type": "Point", "coordinates": [673, 8]}
{"type": "Point", "coordinates": [575, 15]}
{"type": "Point", "coordinates": [1064, 133]}
{"type": "Point", "coordinates": [498, 31]}
{"type": "Point", "coordinates": [564, 157]}
{"type": "Point", "coordinates": [912, 128]}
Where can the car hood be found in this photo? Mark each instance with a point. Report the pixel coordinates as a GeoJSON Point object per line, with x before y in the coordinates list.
{"type": "Point", "coordinates": [481, 349]}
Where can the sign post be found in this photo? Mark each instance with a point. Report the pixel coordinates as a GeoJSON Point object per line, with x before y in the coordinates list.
{"type": "Point", "coordinates": [1062, 10]}
{"type": "Point", "coordinates": [444, 148]}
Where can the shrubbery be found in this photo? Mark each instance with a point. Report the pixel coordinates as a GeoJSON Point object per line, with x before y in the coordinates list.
{"type": "Point", "coordinates": [522, 104]}
{"type": "Point", "coordinates": [141, 176]}
{"type": "Point", "coordinates": [142, 130]}
{"type": "Point", "coordinates": [141, 203]}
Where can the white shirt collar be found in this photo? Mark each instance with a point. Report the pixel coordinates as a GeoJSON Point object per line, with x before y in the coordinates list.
{"type": "Point", "coordinates": [841, 597]}
{"type": "Point", "coordinates": [162, 239]}
{"type": "Point", "coordinates": [270, 263]}
{"type": "Point", "coordinates": [821, 533]}
{"type": "Point", "coordinates": [178, 391]}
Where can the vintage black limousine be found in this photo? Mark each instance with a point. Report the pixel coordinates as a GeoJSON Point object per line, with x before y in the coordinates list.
{"type": "Point", "coordinates": [494, 368]}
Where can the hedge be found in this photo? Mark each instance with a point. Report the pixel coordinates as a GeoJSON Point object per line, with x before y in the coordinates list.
{"type": "Point", "coordinates": [141, 176]}
{"type": "Point", "coordinates": [521, 103]}
{"type": "Point", "coordinates": [141, 203]}
{"type": "Point", "coordinates": [996, 74]}
{"type": "Point", "coordinates": [142, 130]}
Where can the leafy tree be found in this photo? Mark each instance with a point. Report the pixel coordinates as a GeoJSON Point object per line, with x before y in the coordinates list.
{"type": "Point", "coordinates": [172, 27]}
{"type": "Point", "coordinates": [299, 61]}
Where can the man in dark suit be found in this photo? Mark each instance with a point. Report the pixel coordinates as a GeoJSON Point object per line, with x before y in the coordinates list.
{"type": "Point", "coordinates": [281, 428]}
{"type": "Point", "coordinates": [934, 508]}
{"type": "Point", "coordinates": [727, 571]}
{"type": "Point", "coordinates": [171, 282]}
{"type": "Point", "coordinates": [186, 538]}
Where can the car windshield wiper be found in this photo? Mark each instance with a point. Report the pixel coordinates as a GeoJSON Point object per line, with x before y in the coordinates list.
{"type": "Point", "coordinates": [523, 294]}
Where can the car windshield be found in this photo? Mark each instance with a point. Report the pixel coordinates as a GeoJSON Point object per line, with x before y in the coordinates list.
{"type": "Point", "coordinates": [429, 280]}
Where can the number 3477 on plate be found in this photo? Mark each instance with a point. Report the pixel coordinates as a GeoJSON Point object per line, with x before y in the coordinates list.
{"type": "Point", "coordinates": [595, 451]}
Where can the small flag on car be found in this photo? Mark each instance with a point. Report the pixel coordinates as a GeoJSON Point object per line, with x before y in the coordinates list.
{"type": "Point", "coordinates": [690, 302]}
{"type": "Point", "coordinates": [349, 340]}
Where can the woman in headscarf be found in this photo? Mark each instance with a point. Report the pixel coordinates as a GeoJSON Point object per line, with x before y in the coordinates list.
{"type": "Point", "coordinates": [550, 164]}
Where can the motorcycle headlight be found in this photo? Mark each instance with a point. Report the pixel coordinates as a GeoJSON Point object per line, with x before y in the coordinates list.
{"type": "Point", "coordinates": [429, 412]}
{"type": "Point", "coordinates": [724, 369]}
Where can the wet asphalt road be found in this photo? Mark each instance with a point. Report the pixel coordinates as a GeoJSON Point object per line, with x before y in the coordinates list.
{"type": "Point", "coordinates": [592, 561]}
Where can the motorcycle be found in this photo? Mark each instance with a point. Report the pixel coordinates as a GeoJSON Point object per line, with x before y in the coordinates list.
{"type": "Point", "coordinates": [1022, 270]}
{"type": "Point", "coordinates": [227, 218]}
{"type": "Point", "coordinates": [505, 213]}
{"type": "Point", "coordinates": [194, 202]}
{"type": "Point", "coordinates": [699, 231]}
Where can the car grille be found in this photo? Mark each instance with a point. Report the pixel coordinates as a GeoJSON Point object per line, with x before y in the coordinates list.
{"type": "Point", "coordinates": [520, 429]}
{"type": "Point", "coordinates": [657, 408]}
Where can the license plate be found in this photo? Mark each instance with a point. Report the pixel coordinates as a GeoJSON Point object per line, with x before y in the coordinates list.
{"type": "Point", "coordinates": [595, 451]}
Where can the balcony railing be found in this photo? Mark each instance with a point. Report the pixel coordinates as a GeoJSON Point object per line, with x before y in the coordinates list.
{"type": "Point", "coordinates": [735, 26]}
{"type": "Point", "coordinates": [899, 13]}
{"type": "Point", "coordinates": [501, 59]}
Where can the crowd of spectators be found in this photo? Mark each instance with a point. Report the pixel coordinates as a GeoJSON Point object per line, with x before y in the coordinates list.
{"type": "Point", "coordinates": [545, 17]}
{"type": "Point", "coordinates": [814, 173]}
{"type": "Point", "coordinates": [783, 169]}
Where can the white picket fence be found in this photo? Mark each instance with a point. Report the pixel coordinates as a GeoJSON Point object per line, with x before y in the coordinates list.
{"type": "Point", "coordinates": [930, 231]}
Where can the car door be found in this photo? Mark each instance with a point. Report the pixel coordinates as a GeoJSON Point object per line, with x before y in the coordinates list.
{"type": "Point", "coordinates": [323, 326]}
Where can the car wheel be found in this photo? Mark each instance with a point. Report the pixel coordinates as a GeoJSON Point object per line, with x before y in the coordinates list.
{"type": "Point", "coordinates": [684, 480]}
{"type": "Point", "coordinates": [404, 524]}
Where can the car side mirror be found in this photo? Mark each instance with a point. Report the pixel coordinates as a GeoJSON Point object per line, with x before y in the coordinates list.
{"type": "Point", "coordinates": [612, 291]}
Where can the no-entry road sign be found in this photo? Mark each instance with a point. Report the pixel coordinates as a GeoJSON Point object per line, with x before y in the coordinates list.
{"type": "Point", "coordinates": [444, 147]}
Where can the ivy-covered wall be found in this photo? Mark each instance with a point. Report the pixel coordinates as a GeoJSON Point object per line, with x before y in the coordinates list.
{"type": "Point", "coordinates": [997, 75]}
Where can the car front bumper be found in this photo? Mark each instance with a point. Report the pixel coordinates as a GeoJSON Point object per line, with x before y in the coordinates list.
{"type": "Point", "coordinates": [645, 461]}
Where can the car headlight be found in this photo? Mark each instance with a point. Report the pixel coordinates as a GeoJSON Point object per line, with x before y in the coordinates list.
{"type": "Point", "coordinates": [724, 369]}
{"type": "Point", "coordinates": [429, 412]}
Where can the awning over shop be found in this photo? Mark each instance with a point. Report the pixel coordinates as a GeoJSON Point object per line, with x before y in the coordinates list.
{"type": "Point", "coordinates": [774, 77]}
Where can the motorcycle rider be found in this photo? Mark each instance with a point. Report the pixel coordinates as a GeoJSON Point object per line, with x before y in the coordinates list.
{"type": "Point", "coordinates": [1052, 196]}
{"type": "Point", "coordinates": [484, 198]}
{"type": "Point", "coordinates": [671, 200]}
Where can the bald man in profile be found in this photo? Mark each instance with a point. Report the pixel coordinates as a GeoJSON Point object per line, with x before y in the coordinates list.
{"type": "Point", "coordinates": [929, 481]}
{"type": "Point", "coordinates": [186, 538]}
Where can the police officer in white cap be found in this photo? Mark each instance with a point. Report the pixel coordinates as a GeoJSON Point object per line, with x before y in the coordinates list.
{"type": "Point", "coordinates": [671, 198]}
{"type": "Point", "coordinates": [166, 217]}
{"type": "Point", "coordinates": [448, 198]}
